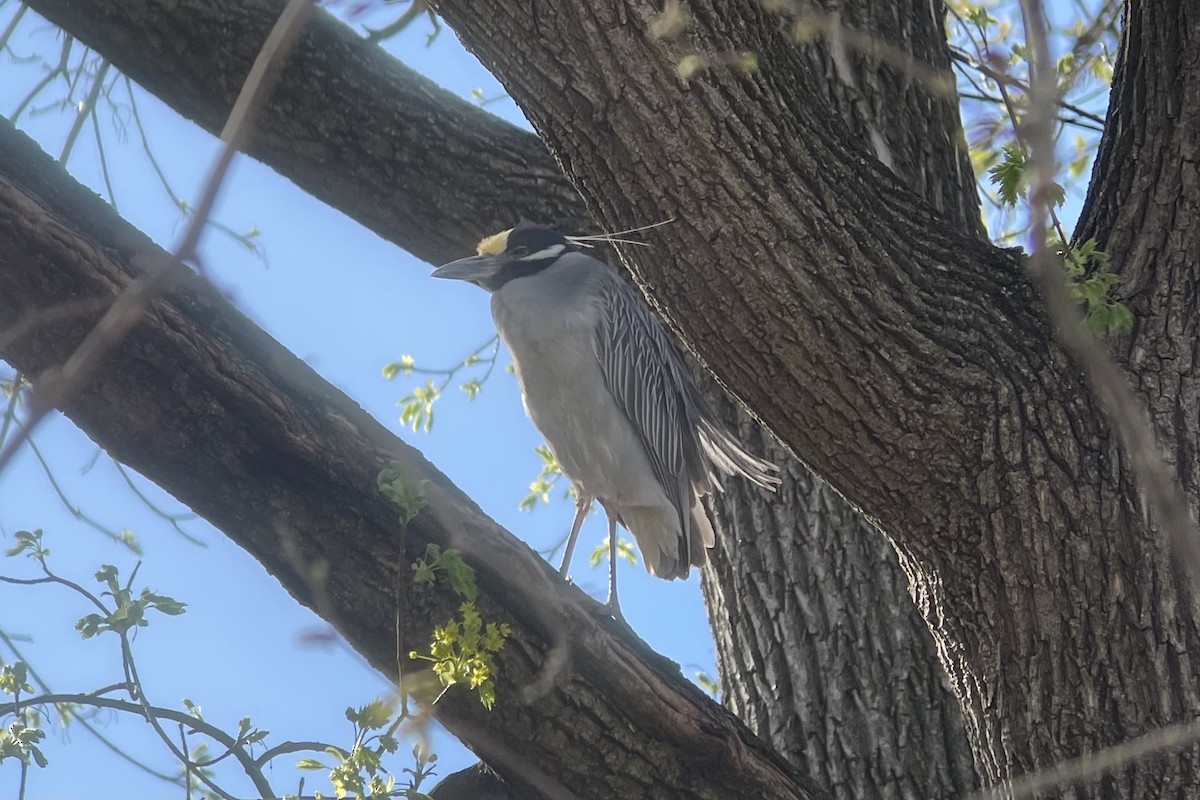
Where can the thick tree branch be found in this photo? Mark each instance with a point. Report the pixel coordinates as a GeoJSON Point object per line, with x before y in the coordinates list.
{"type": "Point", "coordinates": [248, 436]}
{"type": "Point", "coordinates": [912, 366]}
{"type": "Point", "coordinates": [822, 536]}
{"type": "Point", "coordinates": [442, 172]}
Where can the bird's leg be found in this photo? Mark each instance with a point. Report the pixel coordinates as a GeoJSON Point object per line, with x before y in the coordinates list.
{"type": "Point", "coordinates": [614, 607]}
{"type": "Point", "coordinates": [582, 503]}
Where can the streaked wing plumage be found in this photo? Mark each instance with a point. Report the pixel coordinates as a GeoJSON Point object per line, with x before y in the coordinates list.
{"type": "Point", "coordinates": [644, 374]}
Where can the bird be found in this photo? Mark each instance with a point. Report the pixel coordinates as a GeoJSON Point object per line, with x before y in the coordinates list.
{"type": "Point", "coordinates": [602, 381]}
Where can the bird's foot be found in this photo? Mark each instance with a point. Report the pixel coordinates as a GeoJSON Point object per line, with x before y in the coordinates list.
{"type": "Point", "coordinates": [614, 608]}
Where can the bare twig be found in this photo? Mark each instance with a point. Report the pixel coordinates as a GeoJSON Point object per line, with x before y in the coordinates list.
{"type": "Point", "coordinates": [112, 195]}
{"type": "Point", "coordinates": [1156, 481]}
{"type": "Point", "coordinates": [12, 26]}
{"type": "Point", "coordinates": [70, 711]}
{"type": "Point", "coordinates": [830, 27]}
{"type": "Point", "coordinates": [86, 109]}
{"type": "Point", "coordinates": [57, 384]}
{"type": "Point", "coordinates": [64, 59]}
{"type": "Point", "coordinates": [249, 764]}
{"type": "Point", "coordinates": [1093, 765]}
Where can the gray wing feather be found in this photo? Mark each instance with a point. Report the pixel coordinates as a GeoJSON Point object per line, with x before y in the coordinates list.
{"type": "Point", "coordinates": [688, 449]}
{"type": "Point", "coordinates": [640, 371]}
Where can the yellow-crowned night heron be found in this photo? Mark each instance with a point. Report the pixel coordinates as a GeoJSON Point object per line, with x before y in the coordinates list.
{"type": "Point", "coordinates": [610, 393]}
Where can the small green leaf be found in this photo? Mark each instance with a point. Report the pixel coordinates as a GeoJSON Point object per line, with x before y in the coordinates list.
{"type": "Point", "coordinates": [108, 574]}
{"type": "Point", "coordinates": [707, 683]}
{"type": "Point", "coordinates": [1009, 175]}
{"type": "Point", "coordinates": [395, 485]}
{"type": "Point", "coordinates": [472, 388]}
{"type": "Point", "coordinates": [402, 367]}
{"type": "Point", "coordinates": [374, 715]}
{"type": "Point", "coordinates": [27, 540]}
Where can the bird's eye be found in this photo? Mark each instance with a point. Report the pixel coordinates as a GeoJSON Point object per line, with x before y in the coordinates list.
{"type": "Point", "coordinates": [519, 252]}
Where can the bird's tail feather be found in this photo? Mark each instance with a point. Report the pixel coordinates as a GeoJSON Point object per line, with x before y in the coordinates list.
{"type": "Point", "coordinates": [724, 453]}
{"type": "Point", "coordinates": [657, 533]}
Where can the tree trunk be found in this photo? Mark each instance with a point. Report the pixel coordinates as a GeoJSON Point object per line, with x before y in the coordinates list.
{"type": "Point", "coordinates": [910, 365]}
{"type": "Point", "coordinates": [881, 661]}
{"type": "Point", "coordinates": [820, 649]}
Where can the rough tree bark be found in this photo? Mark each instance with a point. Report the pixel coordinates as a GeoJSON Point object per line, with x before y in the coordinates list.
{"type": "Point", "coordinates": [910, 365]}
{"type": "Point", "coordinates": [821, 650]}
{"type": "Point", "coordinates": [246, 434]}
{"type": "Point", "coordinates": [867, 655]}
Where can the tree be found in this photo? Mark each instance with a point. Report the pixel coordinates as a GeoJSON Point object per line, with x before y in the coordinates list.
{"type": "Point", "coordinates": [909, 362]}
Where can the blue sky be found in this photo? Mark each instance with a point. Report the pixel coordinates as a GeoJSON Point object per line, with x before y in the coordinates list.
{"type": "Point", "coordinates": [346, 302]}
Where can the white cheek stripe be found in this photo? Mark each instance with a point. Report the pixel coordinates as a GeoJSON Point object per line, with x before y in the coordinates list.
{"type": "Point", "coordinates": [553, 251]}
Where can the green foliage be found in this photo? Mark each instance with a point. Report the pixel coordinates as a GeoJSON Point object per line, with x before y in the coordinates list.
{"type": "Point", "coordinates": [416, 407]}
{"type": "Point", "coordinates": [130, 612]}
{"type": "Point", "coordinates": [31, 541]}
{"type": "Point", "coordinates": [707, 683]}
{"type": "Point", "coordinates": [624, 551]}
{"type": "Point", "coordinates": [450, 565]}
{"type": "Point", "coordinates": [992, 67]}
{"type": "Point", "coordinates": [14, 679]}
{"type": "Point", "coordinates": [359, 771]}
{"type": "Point", "coordinates": [395, 485]}
{"type": "Point", "coordinates": [472, 388]}
{"type": "Point", "coordinates": [1009, 175]}
{"type": "Point", "coordinates": [1088, 277]}
{"type": "Point", "coordinates": [462, 652]}
{"type": "Point", "coordinates": [19, 741]}
{"type": "Point", "coordinates": [1091, 284]}
{"type": "Point", "coordinates": [540, 488]}
{"type": "Point", "coordinates": [1011, 181]}
{"type": "Point", "coordinates": [402, 367]}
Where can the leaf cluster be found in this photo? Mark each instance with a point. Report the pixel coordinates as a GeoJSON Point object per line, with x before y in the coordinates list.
{"type": "Point", "coordinates": [129, 611]}
{"type": "Point", "coordinates": [462, 649]}
{"type": "Point", "coordinates": [359, 772]}
{"type": "Point", "coordinates": [462, 652]}
{"type": "Point", "coordinates": [19, 740]}
{"type": "Point", "coordinates": [416, 407]}
{"type": "Point", "coordinates": [1092, 284]}
{"type": "Point", "coordinates": [544, 483]}
{"type": "Point", "coordinates": [448, 563]}
{"type": "Point", "coordinates": [395, 485]}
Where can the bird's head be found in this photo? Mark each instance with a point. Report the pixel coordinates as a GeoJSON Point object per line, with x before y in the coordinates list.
{"type": "Point", "coordinates": [514, 253]}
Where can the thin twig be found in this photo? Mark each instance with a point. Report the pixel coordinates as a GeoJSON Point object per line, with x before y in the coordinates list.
{"type": "Point", "coordinates": [57, 384]}
{"type": "Point", "coordinates": [1155, 480]}
{"type": "Point", "coordinates": [173, 519]}
{"type": "Point", "coordinates": [156, 713]}
{"type": "Point", "coordinates": [64, 59]}
{"type": "Point", "coordinates": [86, 108]}
{"type": "Point", "coordinates": [12, 26]}
{"type": "Point", "coordinates": [69, 710]}
{"type": "Point", "coordinates": [1093, 765]}
{"type": "Point", "coordinates": [112, 196]}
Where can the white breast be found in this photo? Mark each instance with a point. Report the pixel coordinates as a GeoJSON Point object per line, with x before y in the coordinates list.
{"type": "Point", "coordinates": [549, 325]}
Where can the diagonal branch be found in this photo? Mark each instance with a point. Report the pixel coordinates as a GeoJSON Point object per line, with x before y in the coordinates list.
{"type": "Point", "coordinates": [55, 386]}
{"type": "Point", "coordinates": [286, 465]}
{"type": "Point", "coordinates": [451, 171]}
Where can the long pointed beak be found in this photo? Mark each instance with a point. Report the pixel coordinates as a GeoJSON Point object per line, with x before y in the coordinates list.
{"type": "Point", "coordinates": [472, 268]}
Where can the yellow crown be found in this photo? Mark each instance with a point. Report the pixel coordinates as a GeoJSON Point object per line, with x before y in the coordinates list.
{"type": "Point", "coordinates": [493, 245]}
